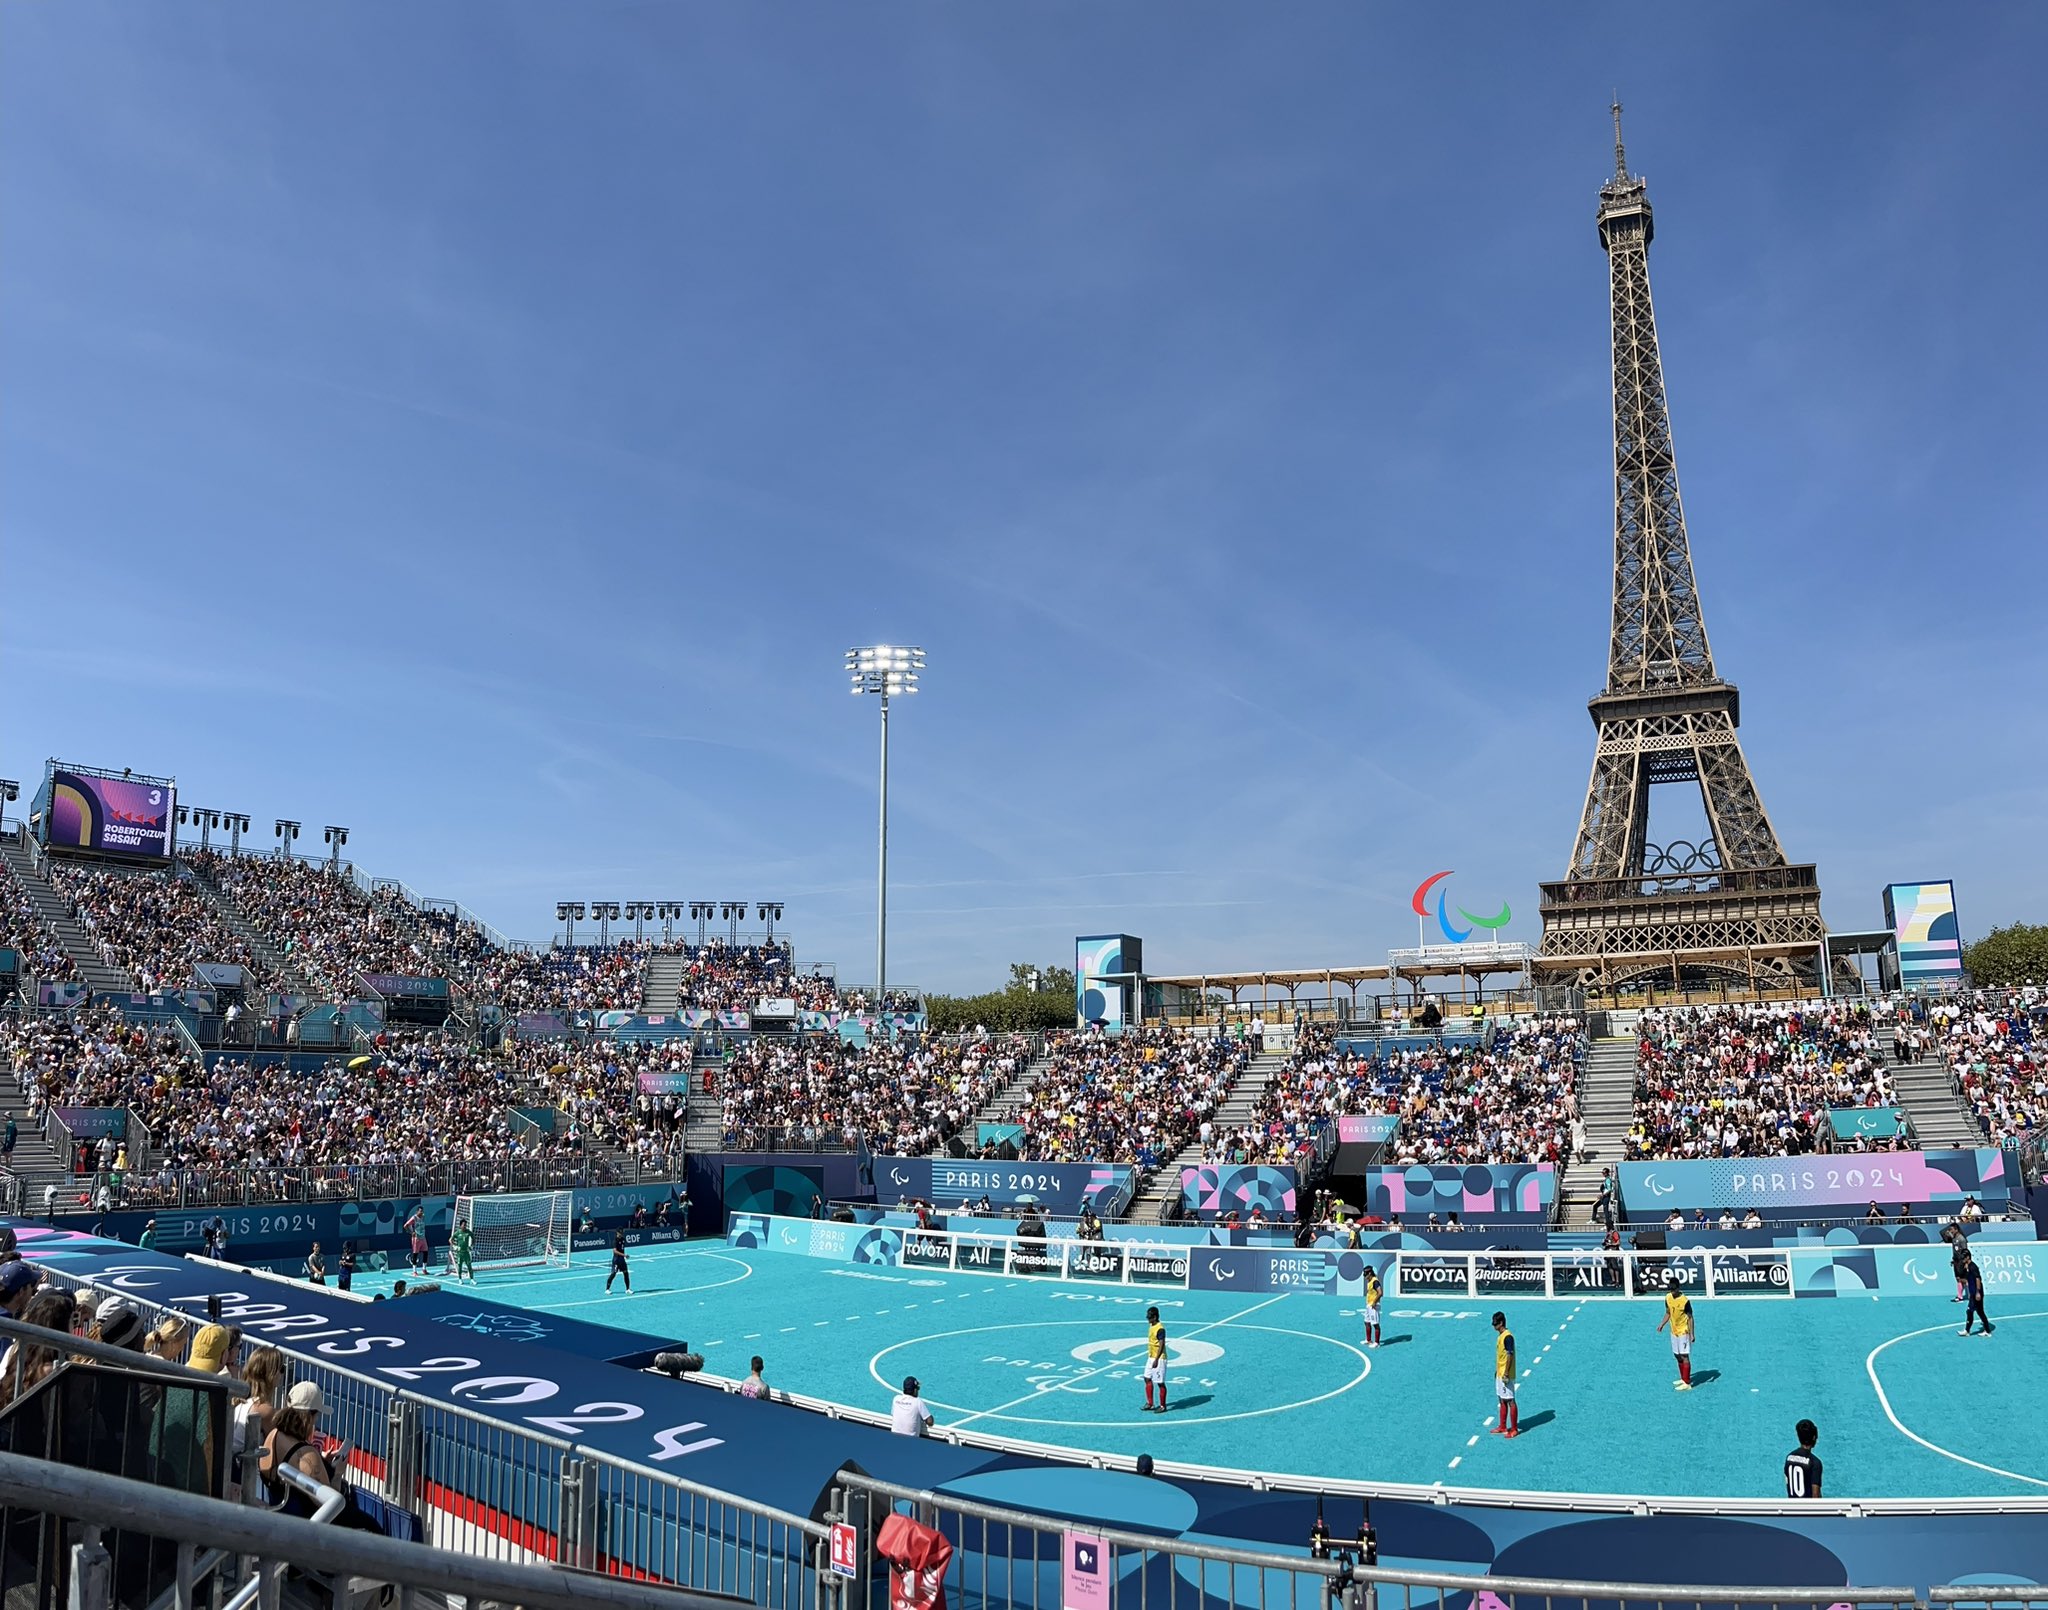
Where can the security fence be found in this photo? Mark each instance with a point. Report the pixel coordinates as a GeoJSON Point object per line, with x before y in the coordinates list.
{"type": "Point", "coordinates": [1005, 1559]}
{"type": "Point", "coordinates": [507, 1493]}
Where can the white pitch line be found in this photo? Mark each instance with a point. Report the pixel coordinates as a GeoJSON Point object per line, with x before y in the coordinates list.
{"type": "Point", "coordinates": [1471, 1442]}
{"type": "Point", "coordinates": [1455, 1463]}
{"type": "Point", "coordinates": [1068, 1386]}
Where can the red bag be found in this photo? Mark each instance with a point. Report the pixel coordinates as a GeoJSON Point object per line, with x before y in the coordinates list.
{"type": "Point", "coordinates": [920, 1556]}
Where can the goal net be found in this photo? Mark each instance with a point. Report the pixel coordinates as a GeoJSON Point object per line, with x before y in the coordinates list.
{"type": "Point", "coordinates": [524, 1227]}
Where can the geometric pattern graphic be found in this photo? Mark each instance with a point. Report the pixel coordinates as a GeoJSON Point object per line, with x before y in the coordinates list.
{"type": "Point", "coordinates": [1212, 1188]}
{"type": "Point", "coordinates": [1922, 918]}
{"type": "Point", "coordinates": [1510, 1192]}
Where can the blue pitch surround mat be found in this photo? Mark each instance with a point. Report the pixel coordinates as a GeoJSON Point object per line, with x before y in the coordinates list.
{"type": "Point", "coordinates": [1283, 1383]}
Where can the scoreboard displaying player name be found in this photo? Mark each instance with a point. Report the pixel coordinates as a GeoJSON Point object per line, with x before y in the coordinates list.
{"type": "Point", "coordinates": [130, 817]}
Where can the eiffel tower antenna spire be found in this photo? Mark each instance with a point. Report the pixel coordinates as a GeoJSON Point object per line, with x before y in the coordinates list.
{"type": "Point", "coordinates": [1732, 904]}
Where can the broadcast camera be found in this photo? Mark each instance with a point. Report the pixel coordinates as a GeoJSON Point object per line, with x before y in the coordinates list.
{"type": "Point", "coordinates": [679, 1363]}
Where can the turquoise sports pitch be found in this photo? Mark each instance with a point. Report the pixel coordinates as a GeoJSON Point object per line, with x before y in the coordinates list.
{"type": "Point", "coordinates": [1906, 1407]}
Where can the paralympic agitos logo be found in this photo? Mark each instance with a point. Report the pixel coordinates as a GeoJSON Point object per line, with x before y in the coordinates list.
{"type": "Point", "coordinates": [1457, 936]}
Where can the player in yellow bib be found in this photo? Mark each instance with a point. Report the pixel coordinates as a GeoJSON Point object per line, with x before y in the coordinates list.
{"type": "Point", "coordinates": [1374, 1291]}
{"type": "Point", "coordinates": [1678, 1318]}
{"type": "Point", "coordinates": [1155, 1361]}
{"type": "Point", "coordinates": [1504, 1379]}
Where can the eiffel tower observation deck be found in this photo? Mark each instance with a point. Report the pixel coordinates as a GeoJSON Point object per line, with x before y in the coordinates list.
{"type": "Point", "coordinates": [1724, 909]}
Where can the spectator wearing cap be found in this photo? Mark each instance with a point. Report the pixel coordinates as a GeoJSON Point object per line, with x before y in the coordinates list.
{"type": "Point", "coordinates": [294, 1441]}
{"type": "Point", "coordinates": [183, 1432]}
{"type": "Point", "coordinates": [18, 1282]}
{"type": "Point", "coordinates": [119, 1325]}
{"type": "Point", "coordinates": [909, 1414]}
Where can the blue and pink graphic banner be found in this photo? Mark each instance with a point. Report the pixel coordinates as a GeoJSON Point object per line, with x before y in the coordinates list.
{"type": "Point", "coordinates": [1937, 1182]}
{"type": "Point", "coordinates": [110, 815]}
{"type": "Point", "coordinates": [1922, 918]}
{"type": "Point", "coordinates": [1367, 1128]}
{"type": "Point", "coordinates": [1213, 1190]}
{"type": "Point", "coordinates": [1503, 1192]}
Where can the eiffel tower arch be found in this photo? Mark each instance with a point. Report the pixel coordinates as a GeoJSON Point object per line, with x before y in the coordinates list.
{"type": "Point", "coordinates": [1725, 908]}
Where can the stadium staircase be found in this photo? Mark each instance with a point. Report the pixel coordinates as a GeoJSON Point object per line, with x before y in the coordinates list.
{"type": "Point", "coordinates": [275, 965]}
{"type": "Point", "coordinates": [1940, 1115]}
{"type": "Point", "coordinates": [33, 1155]}
{"type": "Point", "coordinates": [1239, 1106]}
{"type": "Point", "coordinates": [663, 991]}
{"type": "Point", "coordinates": [100, 977]}
{"type": "Point", "coordinates": [1013, 1098]}
{"type": "Point", "coordinates": [1607, 1100]}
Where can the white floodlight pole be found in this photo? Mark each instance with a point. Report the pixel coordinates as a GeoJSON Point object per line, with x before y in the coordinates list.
{"type": "Point", "coordinates": [883, 670]}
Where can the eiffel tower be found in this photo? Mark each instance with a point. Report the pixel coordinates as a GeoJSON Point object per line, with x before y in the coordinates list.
{"type": "Point", "coordinates": [1729, 910]}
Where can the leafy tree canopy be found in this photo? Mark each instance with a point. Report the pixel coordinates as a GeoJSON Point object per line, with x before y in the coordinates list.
{"type": "Point", "coordinates": [2006, 956]}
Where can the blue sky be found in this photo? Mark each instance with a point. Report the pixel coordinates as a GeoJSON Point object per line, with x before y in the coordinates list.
{"type": "Point", "coordinates": [486, 426]}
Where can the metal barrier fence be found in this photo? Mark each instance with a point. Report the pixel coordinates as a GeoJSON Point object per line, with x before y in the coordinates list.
{"type": "Point", "coordinates": [507, 1493]}
{"type": "Point", "coordinates": [343, 1564]}
{"type": "Point", "coordinates": [1004, 1559]}
{"type": "Point", "coordinates": [256, 1186]}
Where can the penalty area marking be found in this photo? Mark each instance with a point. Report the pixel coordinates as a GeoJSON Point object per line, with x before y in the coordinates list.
{"type": "Point", "coordinates": [746, 1271]}
{"type": "Point", "coordinates": [1000, 1412]}
{"type": "Point", "coordinates": [1898, 1425]}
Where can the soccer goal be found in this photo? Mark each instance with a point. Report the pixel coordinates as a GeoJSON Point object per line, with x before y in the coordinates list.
{"type": "Point", "coordinates": [523, 1227]}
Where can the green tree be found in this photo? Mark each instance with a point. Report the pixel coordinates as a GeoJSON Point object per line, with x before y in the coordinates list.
{"type": "Point", "coordinates": [1018, 1007]}
{"type": "Point", "coordinates": [1032, 979]}
{"type": "Point", "coordinates": [2015, 955]}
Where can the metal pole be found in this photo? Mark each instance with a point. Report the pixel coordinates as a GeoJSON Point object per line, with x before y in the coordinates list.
{"type": "Point", "coordinates": [882, 871]}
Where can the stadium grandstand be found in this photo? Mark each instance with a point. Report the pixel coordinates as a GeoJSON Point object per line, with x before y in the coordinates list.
{"type": "Point", "coordinates": [354, 1254]}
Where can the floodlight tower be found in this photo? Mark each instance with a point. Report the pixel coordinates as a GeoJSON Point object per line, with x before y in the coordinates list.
{"type": "Point", "coordinates": [883, 670]}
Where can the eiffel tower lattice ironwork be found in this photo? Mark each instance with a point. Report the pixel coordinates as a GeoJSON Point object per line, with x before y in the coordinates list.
{"type": "Point", "coordinates": [1731, 906]}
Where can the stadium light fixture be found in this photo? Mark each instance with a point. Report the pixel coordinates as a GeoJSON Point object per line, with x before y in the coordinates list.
{"type": "Point", "coordinates": [568, 913]}
{"type": "Point", "coordinates": [287, 834]}
{"type": "Point", "coordinates": [730, 912]}
{"type": "Point", "coordinates": [886, 670]}
{"type": "Point", "coordinates": [237, 824]}
{"type": "Point", "coordinates": [204, 819]}
{"type": "Point", "coordinates": [770, 912]}
{"type": "Point", "coordinates": [700, 913]}
{"type": "Point", "coordinates": [668, 911]}
{"type": "Point", "coordinates": [336, 838]}
{"type": "Point", "coordinates": [10, 791]}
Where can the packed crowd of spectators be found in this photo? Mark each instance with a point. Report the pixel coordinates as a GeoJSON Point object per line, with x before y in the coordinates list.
{"type": "Point", "coordinates": [1138, 1098]}
{"type": "Point", "coordinates": [23, 931]}
{"type": "Point", "coordinates": [1751, 1080]}
{"type": "Point", "coordinates": [154, 925]}
{"type": "Point", "coordinates": [906, 1098]}
{"type": "Point", "coordinates": [586, 979]}
{"type": "Point", "coordinates": [328, 931]}
{"type": "Point", "coordinates": [1995, 1043]}
{"type": "Point", "coordinates": [420, 1100]}
{"type": "Point", "coordinates": [1513, 1101]}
